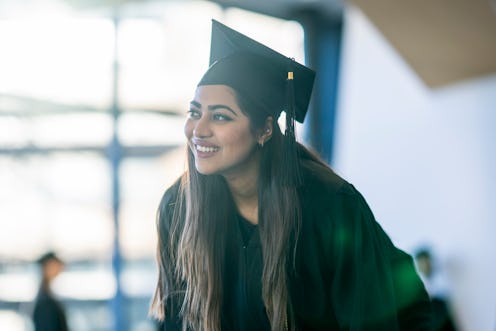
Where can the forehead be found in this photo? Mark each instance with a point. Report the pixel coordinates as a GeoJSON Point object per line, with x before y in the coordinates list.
{"type": "Point", "coordinates": [216, 94]}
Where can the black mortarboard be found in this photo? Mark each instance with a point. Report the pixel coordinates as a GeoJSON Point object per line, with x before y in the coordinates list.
{"type": "Point", "coordinates": [257, 72]}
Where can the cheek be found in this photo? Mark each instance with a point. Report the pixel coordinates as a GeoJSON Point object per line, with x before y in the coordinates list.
{"type": "Point", "coordinates": [241, 139]}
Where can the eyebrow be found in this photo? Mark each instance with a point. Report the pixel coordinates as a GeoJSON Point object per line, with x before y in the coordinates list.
{"type": "Point", "coordinates": [214, 107]}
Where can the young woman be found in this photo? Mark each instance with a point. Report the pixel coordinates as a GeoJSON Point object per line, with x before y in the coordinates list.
{"type": "Point", "coordinates": [258, 233]}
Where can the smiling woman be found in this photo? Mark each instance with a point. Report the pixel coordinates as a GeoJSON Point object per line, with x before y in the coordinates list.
{"type": "Point", "coordinates": [258, 233]}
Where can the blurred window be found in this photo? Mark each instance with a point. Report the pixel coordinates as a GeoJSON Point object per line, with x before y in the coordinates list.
{"type": "Point", "coordinates": [56, 129]}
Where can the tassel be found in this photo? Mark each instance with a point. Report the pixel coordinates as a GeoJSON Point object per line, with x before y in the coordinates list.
{"type": "Point", "coordinates": [290, 156]}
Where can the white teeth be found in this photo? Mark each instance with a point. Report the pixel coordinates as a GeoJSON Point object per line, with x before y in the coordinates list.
{"type": "Point", "coordinates": [206, 149]}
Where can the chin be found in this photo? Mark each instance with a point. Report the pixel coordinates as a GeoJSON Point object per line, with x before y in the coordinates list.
{"type": "Point", "coordinates": [205, 170]}
{"type": "Point", "coordinates": [205, 173]}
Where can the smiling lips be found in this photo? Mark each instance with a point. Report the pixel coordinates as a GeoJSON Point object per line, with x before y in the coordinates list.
{"type": "Point", "coordinates": [206, 149]}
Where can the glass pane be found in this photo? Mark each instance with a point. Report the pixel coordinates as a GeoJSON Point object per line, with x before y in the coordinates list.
{"type": "Point", "coordinates": [60, 59]}
{"type": "Point", "coordinates": [92, 130]}
{"type": "Point", "coordinates": [151, 129]}
{"type": "Point", "coordinates": [160, 72]}
{"type": "Point", "coordinates": [13, 321]}
{"type": "Point", "coordinates": [58, 201]}
{"type": "Point", "coordinates": [144, 180]}
{"type": "Point", "coordinates": [12, 132]}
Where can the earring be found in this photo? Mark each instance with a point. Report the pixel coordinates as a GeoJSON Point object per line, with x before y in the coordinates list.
{"type": "Point", "coordinates": [261, 144]}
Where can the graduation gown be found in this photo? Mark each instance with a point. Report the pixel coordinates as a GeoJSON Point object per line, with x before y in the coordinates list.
{"type": "Point", "coordinates": [348, 274]}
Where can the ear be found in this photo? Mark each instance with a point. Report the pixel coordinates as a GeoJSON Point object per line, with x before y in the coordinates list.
{"type": "Point", "coordinates": [266, 132]}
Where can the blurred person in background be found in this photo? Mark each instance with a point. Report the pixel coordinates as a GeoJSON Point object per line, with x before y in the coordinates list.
{"type": "Point", "coordinates": [437, 289]}
{"type": "Point", "coordinates": [259, 233]}
{"type": "Point", "coordinates": [48, 312]}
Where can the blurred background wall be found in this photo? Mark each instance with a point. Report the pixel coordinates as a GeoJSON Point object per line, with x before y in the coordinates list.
{"type": "Point", "coordinates": [425, 159]}
{"type": "Point", "coordinates": [92, 100]}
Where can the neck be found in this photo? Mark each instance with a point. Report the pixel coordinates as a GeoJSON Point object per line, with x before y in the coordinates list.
{"type": "Point", "coordinates": [244, 189]}
{"type": "Point", "coordinates": [45, 284]}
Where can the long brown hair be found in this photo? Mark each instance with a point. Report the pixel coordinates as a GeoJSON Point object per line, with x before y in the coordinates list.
{"type": "Point", "coordinates": [191, 241]}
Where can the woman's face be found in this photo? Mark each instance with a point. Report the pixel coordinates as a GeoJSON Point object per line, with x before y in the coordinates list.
{"type": "Point", "coordinates": [219, 133]}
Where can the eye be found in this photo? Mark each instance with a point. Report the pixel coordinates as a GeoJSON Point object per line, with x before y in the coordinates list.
{"type": "Point", "coordinates": [221, 117]}
{"type": "Point", "coordinates": [193, 113]}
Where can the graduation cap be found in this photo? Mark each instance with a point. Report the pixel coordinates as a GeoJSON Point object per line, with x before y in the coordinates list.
{"type": "Point", "coordinates": [270, 80]}
{"type": "Point", "coordinates": [258, 72]}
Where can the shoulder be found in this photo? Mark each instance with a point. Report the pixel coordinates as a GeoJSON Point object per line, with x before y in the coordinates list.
{"type": "Point", "coordinates": [319, 180]}
{"type": "Point", "coordinates": [171, 193]}
{"type": "Point", "coordinates": [168, 204]}
{"type": "Point", "coordinates": [324, 190]}
{"type": "Point", "coordinates": [335, 212]}
{"type": "Point", "coordinates": [170, 196]}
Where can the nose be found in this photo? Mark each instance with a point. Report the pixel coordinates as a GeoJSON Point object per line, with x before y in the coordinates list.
{"type": "Point", "coordinates": [202, 128]}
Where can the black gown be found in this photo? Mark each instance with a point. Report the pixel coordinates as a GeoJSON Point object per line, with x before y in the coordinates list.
{"type": "Point", "coordinates": [48, 313]}
{"type": "Point", "coordinates": [348, 275]}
